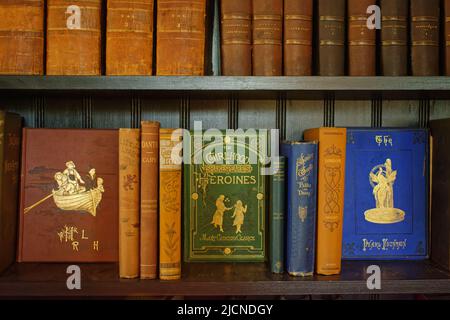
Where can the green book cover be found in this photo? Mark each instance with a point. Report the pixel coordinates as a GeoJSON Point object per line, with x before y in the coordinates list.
{"type": "Point", "coordinates": [224, 197]}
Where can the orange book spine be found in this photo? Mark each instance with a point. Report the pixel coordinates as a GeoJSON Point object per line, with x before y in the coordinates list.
{"type": "Point", "coordinates": [169, 207]}
{"type": "Point", "coordinates": [330, 197]}
{"type": "Point", "coordinates": [74, 37]}
{"type": "Point", "coordinates": [22, 37]}
{"type": "Point", "coordinates": [129, 37]}
{"type": "Point", "coordinates": [149, 198]}
{"type": "Point", "coordinates": [180, 41]}
{"type": "Point", "coordinates": [129, 157]}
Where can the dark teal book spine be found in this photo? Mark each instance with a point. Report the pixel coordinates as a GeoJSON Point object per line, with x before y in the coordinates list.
{"type": "Point", "coordinates": [277, 216]}
{"type": "Point", "coordinates": [301, 177]}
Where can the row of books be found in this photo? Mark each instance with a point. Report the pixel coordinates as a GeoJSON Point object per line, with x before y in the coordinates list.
{"type": "Point", "coordinates": [255, 37]}
{"type": "Point", "coordinates": [96, 195]}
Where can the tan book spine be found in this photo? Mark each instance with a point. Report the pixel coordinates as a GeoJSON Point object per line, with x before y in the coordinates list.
{"type": "Point", "coordinates": [129, 37]}
{"type": "Point", "coordinates": [330, 197]}
{"type": "Point", "coordinates": [129, 157]}
{"type": "Point", "coordinates": [180, 40]}
{"type": "Point", "coordinates": [169, 207]}
{"type": "Point", "coordinates": [22, 37]}
{"type": "Point", "coordinates": [74, 37]}
{"type": "Point", "coordinates": [149, 198]}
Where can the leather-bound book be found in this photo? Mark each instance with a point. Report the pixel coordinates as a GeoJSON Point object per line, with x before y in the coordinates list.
{"type": "Point", "coordinates": [69, 210]}
{"type": "Point", "coordinates": [267, 37]}
{"type": "Point", "coordinates": [22, 37]}
{"type": "Point", "coordinates": [394, 37]}
{"type": "Point", "coordinates": [331, 40]}
{"type": "Point", "coordinates": [447, 37]}
{"type": "Point", "coordinates": [236, 37]}
{"type": "Point", "coordinates": [298, 30]}
{"type": "Point", "coordinates": [169, 206]}
{"type": "Point", "coordinates": [425, 37]}
{"type": "Point", "coordinates": [330, 197]}
{"type": "Point", "coordinates": [129, 37]}
{"type": "Point", "coordinates": [361, 40]}
{"type": "Point", "coordinates": [10, 133]}
{"type": "Point", "coordinates": [180, 40]}
{"type": "Point", "coordinates": [74, 37]}
{"type": "Point", "coordinates": [129, 160]}
{"type": "Point", "coordinates": [149, 198]}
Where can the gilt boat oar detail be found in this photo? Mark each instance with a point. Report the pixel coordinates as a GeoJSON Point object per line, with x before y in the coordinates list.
{"type": "Point", "coordinates": [37, 203]}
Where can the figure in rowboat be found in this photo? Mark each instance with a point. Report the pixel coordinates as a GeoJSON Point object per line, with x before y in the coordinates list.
{"type": "Point", "coordinates": [73, 194]}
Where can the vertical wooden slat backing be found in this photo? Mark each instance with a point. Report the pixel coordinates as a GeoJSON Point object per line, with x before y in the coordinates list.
{"type": "Point", "coordinates": [212, 113]}
{"type": "Point", "coordinates": [400, 113]}
{"type": "Point", "coordinates": [135, 112]}
{"type": "Point", "coordinates": [185, 111]}
{"type": "Point", "coordinates": [23, 105]}
{"type": "Point", "coordinates": [328, 111]}
{"type": "Point", "coordinates": [64, 111]}
{"type": "Point", "coordinates": [39, 111]}
{"type": "Point", "coordinates": [111, 112]}
{"type": "Point", "coordinates": [87, 112]}
{"type": "Point", "coordinates": [257, 114]}
{"type": "Point", "coordinates": [233, 111]}
{"type": "Point", "coordinates": [302, 115]}
{"type": "Point", "coordinates": [352, 113]}
{"type": "Point", "coordinates": [424, 113]}
{"type": "Point", "coordinates": [377, 112]}
{"type": "Point", "coordinates": [439, 109]}
{"type": "Point", "coordinates": [281, 115]}
{"type": "Point", "coordinates": [164, 110]}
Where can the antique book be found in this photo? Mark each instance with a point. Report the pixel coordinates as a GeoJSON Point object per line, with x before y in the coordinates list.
{"type": "Point", "coordinates": [277, 216]}
{"type": "Point", "coordinates": [386, 194]}
{"type": "Point", "coordinates": [149, 198]}
{"type": "Point", "coordinates": [298, 33]}
{"type": "Point", "coordinates": [180, 40]}
{"type": "Point", "coordinates": [440, 200]}
{"type": "Point", "coordinates": [425, 37]}
{"type": "Point", "coordinates": [22, 37]}
{"type": "Point", "coordinates": [331, 38]}
{"type": "Point", "coordinates": [236, 37]}
{"type": "Point", "coordinates": [69, 210]}
{"type": "Point", "coordinates": [129, 188]}
{"type": "Point", "coordinates": [170, 204]}
{"type": "Point", "coordinates": [74, 37]}
{"type": "Point", "coordinates": [301, 158]}
{"type": "Point", "coordinates": [330, 196]}
{"type": "Point", "coordinates": [394, 37]}
{"type": "Point", "coordinates": [224, 197]}
{"type": "Point", "coordinates": [267, 37]}
{"type": "Point", "coordinates": [361, 40]}
{"type": "Point", "coordinates": [129, 37]}
{"type": "Point", "coordinates": [447, 36]}
{"type": "Point", "coordinates": [10, 138]}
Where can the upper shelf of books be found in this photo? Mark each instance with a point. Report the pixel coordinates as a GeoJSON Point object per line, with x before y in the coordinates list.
{"type": "Point", "coordinates": [302, 87]}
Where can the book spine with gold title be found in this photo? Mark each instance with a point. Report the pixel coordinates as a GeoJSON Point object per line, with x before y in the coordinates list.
{"type": "Point", "coordinates": [169, 205]}
{"type": "Point", "coordinates": [129, 158]}
{"type": "Point", "coordinates": [149, 198]}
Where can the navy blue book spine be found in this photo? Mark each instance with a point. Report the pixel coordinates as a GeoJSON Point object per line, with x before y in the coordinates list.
{"type": "Point", "coordinates": [301, 169]}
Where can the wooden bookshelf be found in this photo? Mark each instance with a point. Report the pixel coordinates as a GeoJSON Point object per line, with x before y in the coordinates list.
{"type": "Point", "coordinates": [102, 280]}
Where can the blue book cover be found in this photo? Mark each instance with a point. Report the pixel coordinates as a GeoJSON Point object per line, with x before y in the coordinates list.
{"type": "Point", "coordinates": [386, 194]}
{"type": "Point", "coordinates": [301, 172]}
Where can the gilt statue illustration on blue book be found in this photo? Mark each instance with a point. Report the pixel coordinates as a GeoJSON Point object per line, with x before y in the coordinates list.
{"type": "Point", "coordinates": [386, 194]}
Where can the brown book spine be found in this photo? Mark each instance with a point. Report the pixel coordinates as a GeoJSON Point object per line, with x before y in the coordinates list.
{"type": "Point", "coordinates": [74, 37]}
{"type": "Point", "coordinates": [361, 40]}
{"type": "Point", "coordinates": [129, 158]}
{"type": "Point", "coordinates": [267, 37]}
{"type": "Point", "coordinates": [330, 197]}
{"type": "Point", "coordinates": [22, 37]}
{"type": "Point", "coordinates": [394, 37]}
{"type": "Point", "coordinates": [447, 37]}
{"type": "Point", "coordinates": [425, 37]}
{"type": "Point", "coordinates": [236, 37]}
{"type": "Point", "coordinates": [180, 40]}
{"type": "Point", "coordinates": [129, 37]}
{"type": "Point", "coordinates": [149, 198]}
{"type": "Point", "coordinates": [169, 207]}
{"type": "Point", "coordinates": [331, 37]}
{"type": "Point", "coordinates": [298, 26]}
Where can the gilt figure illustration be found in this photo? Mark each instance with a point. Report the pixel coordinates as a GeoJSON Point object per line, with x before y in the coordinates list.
{"type": "Point", "coordinates": [382, 178]}
{"type": "Point", "coordinates": [73, 193]}
{"type": "Point", "coordinates": [217, 220]}
{"type": "Point", "coordinates": [238, 215]}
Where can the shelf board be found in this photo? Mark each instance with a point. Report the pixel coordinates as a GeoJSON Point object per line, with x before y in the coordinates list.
{"type": "Point", "coordinates": [220, 279]}
{"type": "Point", "coordinates": [302, 87]}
